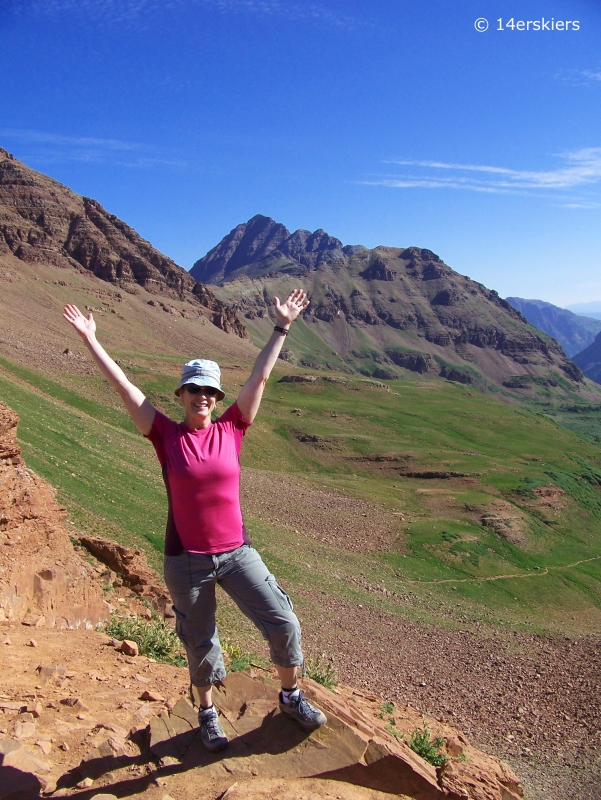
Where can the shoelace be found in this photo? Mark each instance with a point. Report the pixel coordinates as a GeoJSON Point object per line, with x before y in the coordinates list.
{"type": "Point", "coordinates": [304, 706]}
{"type": "Point", "coordinates": [211, 725]}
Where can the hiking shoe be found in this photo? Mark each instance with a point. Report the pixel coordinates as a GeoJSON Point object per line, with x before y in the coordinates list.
{"type": "Point", "coordinates": [303, 712]}
{"type": "Point", "coordinates": [211, 732]}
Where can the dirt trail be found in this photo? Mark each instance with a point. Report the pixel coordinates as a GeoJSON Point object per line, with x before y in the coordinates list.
{"type": "Point", "coordinates": [536, 574]}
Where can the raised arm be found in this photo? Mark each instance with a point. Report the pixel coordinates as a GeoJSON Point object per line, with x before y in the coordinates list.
{"type": "Point", "coordinates": [251, 393]}
{"type": "Point", "coordinates": [140, 409]}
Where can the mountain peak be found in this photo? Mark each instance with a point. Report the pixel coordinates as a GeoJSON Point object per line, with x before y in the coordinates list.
{"type": "Point", "coordinates": [263, 244]}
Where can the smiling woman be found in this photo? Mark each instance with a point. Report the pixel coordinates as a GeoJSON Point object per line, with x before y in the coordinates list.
{"type": "Point", "coordinates": [206, 541]}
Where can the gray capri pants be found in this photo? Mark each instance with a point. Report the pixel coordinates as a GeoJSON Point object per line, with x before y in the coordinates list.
{"type": "Point", "coordinates": [191, 579]}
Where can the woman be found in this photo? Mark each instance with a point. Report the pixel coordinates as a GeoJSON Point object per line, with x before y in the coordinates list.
{"type": "Point", "coordinates": [206, 542]}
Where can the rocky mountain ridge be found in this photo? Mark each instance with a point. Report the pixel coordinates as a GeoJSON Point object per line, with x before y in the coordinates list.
{"type": "Point", "coordinates": [385, 311]}
{"type": "Point", "coordinates": [42, 221]}
{"type": "Point", "coordinates": [265, 245]}
{"type": "Point", "coordinates": [573, 332]}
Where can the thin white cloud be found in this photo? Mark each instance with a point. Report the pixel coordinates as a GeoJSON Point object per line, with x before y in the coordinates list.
{"type": "Point", "coordinates": [581, 168]}
{"type": "Point", "coordinates": [593, 75]}
{"type": "Point", "coordinates": [43, 137]}
{"type": "Point", "coordinates": [48, 147]}
{"type": "Point", "coordinates": [581, 205]}
{"type": "Point", "coordinates": [580, 77]}
{"type": "Point", "coordinates": [140, 12]}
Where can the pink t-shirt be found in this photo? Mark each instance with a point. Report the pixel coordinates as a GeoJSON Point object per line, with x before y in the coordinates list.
{"type": "Point", "coordinates": [201, 470]}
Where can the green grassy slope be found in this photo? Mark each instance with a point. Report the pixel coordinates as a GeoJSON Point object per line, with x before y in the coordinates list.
{"type": "Point", "coordinates": [358, 441]}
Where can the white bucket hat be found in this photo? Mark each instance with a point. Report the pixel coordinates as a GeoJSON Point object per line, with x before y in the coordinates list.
{"type": "Point", "coordinates": [202, 373]}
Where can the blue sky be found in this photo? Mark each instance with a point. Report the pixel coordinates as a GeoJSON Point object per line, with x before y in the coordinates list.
{"type": "Point", "coordinates": [387, 122]}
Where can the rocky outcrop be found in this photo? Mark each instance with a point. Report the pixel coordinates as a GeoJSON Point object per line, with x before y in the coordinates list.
{"type": "Point", "coordinates": [245, 244]}
{"type": "Point", "coordinates": [378, 270]}
{"type": "Point", "coordinates": [457, 375]}
{"type": "Point", "coordinates": [42, 581]}
{"type": "Point", "coordinates": [42, 221]}
{"type": "Point", "coordinates": [412, 360]}
{"type": "Point", "coordinates": [132, 568]}
{"type": "Point", "coordinates": [360, 748]}
{"type": "Point", "coordinates": [117, 725]}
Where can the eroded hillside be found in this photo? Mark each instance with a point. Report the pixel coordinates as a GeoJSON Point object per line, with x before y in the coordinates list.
{"type": "Point", "coordinates": [44, 222]}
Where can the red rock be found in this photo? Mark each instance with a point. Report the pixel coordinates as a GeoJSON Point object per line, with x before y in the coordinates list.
{"type": "Point", "coordinates": [32, 643]}
{"type": "Point", "coordinates": [13, 754]}
{"type": "Point", "coordinates": [49, 672]}
{"type": "Point", "coordinates": [45, 746]}
{"type": "Point", "coordinates": [74, 702]}
{"type": "Point", "coordinates": [35, 709]}
{"type": "Point", "coordinates": [110, 726]}
{"type": "Point", "coordinates": [42, 581]}
{"type": "Point", "coordinates": [129, 648]}
{"type": "Point", "coordinates": [34, 620]}
{"type": "Point", "coordinates": [453, 746]}
{"type": "Point", "coordinates": [152, 696]}
{"type": "Point", "coordinates": [24, 730]}
{"type": "Point", "coordinates": [12, 706]}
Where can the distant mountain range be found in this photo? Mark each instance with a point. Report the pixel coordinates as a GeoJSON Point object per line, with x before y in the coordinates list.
{"type": "Point", "coordinates": [384, 311]}
{"type": "Point", "coordinates": [590, 309]}
{"type": "Point", "coordinates": [589, 360]}
{"type": "Point", "coordinates": [573, 331]}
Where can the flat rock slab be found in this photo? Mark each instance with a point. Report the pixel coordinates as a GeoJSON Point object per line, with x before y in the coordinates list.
{"type": "Point", "coordinates": [302, 789]}
{"type": "Point", "coordinates": [172, 732]}
{"type": "Point", "coordinates": [266, 744]}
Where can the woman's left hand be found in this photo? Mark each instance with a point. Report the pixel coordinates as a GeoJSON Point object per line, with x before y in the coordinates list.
{"type": "Point", "coordinates": [289, 310]}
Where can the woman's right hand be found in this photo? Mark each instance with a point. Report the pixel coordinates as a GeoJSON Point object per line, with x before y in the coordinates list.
{"type": "Point", "coordinates": [85, 326]}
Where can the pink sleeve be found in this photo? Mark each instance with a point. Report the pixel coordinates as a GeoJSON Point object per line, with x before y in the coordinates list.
{"type": "Point", "coordinates": [233, 421]}
{"type": "Point", "coordinates": [162, 427]}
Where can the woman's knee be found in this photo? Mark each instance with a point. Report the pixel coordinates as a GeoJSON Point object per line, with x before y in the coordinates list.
{"type": "Point", "coordinates": [285, 642]}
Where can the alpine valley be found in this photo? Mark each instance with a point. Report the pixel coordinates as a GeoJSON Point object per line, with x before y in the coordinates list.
{"type": "Point", "coordinates": [442, 548]}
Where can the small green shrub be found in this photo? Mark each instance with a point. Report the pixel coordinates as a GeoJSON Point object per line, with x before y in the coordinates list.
{"type": "Point", "coordinates": [394, 731]}
{"type": "Point", "coordinates": [426, 747]}
{"type": "Point", "coordinates": [321, 671]}
{"type": "Point", "coordinates": [153, 636]}
{"type": "Point", "coordinates": [239, 658]}
{"type": "Point", "coordinates": [386, 708]}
